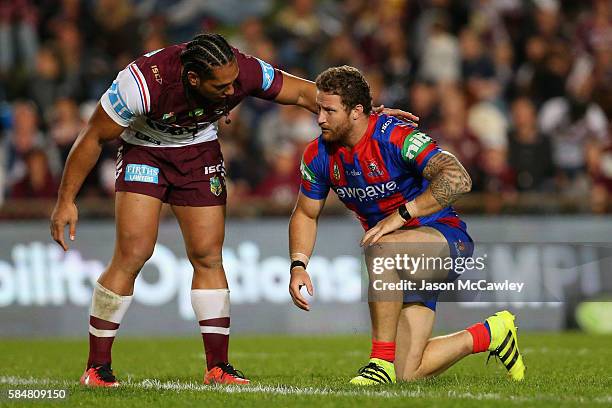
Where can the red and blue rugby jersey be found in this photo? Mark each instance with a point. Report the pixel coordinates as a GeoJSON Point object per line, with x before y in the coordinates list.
{"type": "Point", "coordinates": [381, 172]}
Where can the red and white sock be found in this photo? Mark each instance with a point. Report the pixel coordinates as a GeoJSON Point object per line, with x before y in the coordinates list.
{"type": "Point", "coordinates": [212, 309]}
{"type": "Point", "coordinates": [384, 350]}
{"type": "Point", "coordinates": [481, 337]}
{"type": "Point", "coordinates": [105, 315]}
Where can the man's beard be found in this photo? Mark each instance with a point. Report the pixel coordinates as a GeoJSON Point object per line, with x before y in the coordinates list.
{"type": "Point", "coordinates": [339, 134]}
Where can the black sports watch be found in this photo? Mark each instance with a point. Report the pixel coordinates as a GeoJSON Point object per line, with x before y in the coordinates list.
{"type": "Point", "coordinates": [404, 213]}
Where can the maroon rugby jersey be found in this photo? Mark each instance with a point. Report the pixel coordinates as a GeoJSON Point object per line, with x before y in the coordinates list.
{"type": "Point", "coordinates": [148, 98]}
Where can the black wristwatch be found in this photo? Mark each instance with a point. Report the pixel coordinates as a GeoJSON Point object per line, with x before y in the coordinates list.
{"type": "Point", "coordinates": [296, 263]}
{"type": "Point", "coordinates": [403, 212]}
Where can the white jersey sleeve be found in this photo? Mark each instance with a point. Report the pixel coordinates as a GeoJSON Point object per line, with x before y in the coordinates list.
{"type": "Point", "coordinates": [128, 96]}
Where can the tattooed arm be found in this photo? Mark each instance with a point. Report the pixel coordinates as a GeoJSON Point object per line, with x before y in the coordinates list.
{"type": "Point", "coordinates": [448, 180]}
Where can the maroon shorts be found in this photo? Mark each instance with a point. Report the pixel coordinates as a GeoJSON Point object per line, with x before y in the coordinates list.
{"type": "Point", "coordinates": [188, 175]}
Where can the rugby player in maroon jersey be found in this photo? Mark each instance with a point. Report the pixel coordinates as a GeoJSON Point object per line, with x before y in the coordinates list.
{"type": "Point", "coordinates": [165, 106]}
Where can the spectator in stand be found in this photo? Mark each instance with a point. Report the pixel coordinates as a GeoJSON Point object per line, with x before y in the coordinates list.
{"type": "Point", "coordinates": [464, 67]}
{"type": "Point", "coordinates": [496, 177]}
{"type": "Point", "coordinates": [599, 165]}
{"type": "Point", "coordinates": [243, 161]}
{"type": "Point", "coordinates": [535, 52]}
{"type": "Point", "coordinates": [251, 33]}
{"type": "Point", "coordinates": [118, 35]}
{"type": "Point", "coordinates": [300, 26]}
{"type": "Point", "coordinates": [504, 61]}
{"type": "Point", "coordinates": [547, 21]}
{"type": "Point", "coordinates": [530, 154]}
{"type": "Point", "coordinates": [38, 182]}
{"type": "Point", "coordinates": [24, 136]}
{"type": "Point", "coordinates": [342, 50]}
{"type": "Point", "coordinates": [602, 76]}
{"type": "Point", "coordinates": [18, 36]}
{"type": "Point", "coordinates": [70, 51]}
{"type": "Point", "coordinates": [478, 69]}
{"type": "Point", "coordinates": [287, 124]}
{"type": "Point", "coordinates": [45, 86]}
{"type": "Point", "coordinates": [56, 14]}
{"type": "Point", "coordinates": [280, 185]}
{"type": "Point", "coordinates": [594, 31]}
{"type": "Point", "coordinates": [424, 100]}
{"type": "Point", "coordinates": [489, 124]}
{"type": "Point", "coordinates": [65, 123]}
{"type": "Point", "coordinates": [441, 59]}
{"type": "Point", "coordinates": [453, 134]}
{"type": "Point", "coordinates": [570, 121]}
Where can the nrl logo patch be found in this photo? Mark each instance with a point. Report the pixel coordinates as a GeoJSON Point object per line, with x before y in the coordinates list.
{"type": "Point", "coordinates": [215, 186]}
{"type": "Point", "coordinates": [336, 172]}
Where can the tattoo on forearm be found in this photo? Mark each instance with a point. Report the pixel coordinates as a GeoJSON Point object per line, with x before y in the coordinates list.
{"type": "Point", "coordinates": [448, 178]}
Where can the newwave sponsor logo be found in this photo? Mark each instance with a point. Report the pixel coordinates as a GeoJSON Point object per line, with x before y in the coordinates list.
{"type": "Point", "coordinates": [369, 193]}
{"type": "Point", "coordinates": [43, 275]}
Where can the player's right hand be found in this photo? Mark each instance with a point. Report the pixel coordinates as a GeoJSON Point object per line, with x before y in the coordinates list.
{"type": "Point", "coordinates": [299, 278]}
{"type": "Point", "coordinates": [64, 213]}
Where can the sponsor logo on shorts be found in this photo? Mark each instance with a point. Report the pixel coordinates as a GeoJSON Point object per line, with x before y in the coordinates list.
{"type": "Point", "coordinates": [215, 186]}
{"type": "Point", "coordinates": [141, 173]}
{"type": "Point", "coordinates": [217, 168]}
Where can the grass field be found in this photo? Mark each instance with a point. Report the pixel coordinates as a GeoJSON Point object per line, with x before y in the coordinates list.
{"type": "Point", "coordinates": [563, 370]}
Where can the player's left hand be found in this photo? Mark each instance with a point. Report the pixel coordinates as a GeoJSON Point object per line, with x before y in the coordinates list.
{"type": "Point", "coordinates": [384, 227]}
{"type": "Point", "coordinates": [300, 278]}
{"type": "Point", "coordinates": [398, 113]}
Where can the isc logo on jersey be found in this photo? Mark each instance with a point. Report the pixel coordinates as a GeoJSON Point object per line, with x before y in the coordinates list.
{"type": "Point", "coordinates": [369, 193]}
{"type": "Point", "coordinates": [415, 143]}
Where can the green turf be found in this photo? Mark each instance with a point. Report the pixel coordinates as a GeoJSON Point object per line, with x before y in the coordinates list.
{"type": "Point", "coordinates": [563, 370]}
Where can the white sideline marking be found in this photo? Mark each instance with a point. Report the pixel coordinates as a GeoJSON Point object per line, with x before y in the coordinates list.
{"type": "Point", "coordinates": [267, 355]}
{"type": "Point", "coordinates": [292, 390]}
{"type": "Point", "coordinates": [556, 350]}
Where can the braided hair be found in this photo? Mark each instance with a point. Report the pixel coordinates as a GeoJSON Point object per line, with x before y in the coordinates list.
{"type": "Point", "coordinates": [203, 54]}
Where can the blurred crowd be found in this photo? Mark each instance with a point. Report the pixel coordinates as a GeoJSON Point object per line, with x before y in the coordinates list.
{"type": "Point", "coordinates": [519, 90]}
